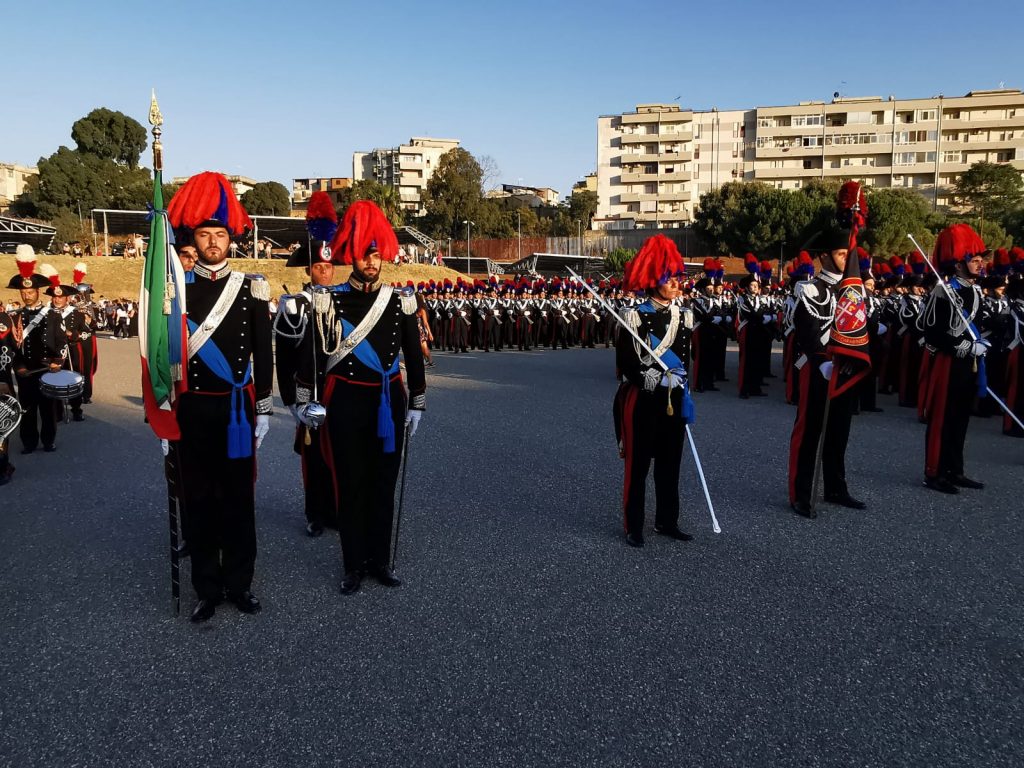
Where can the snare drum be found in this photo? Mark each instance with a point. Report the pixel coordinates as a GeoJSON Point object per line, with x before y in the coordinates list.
{"type": "Point", "coordinates": [61, 385]}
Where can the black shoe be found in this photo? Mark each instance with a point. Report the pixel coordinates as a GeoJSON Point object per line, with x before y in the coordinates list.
{"type": "Point", "coordinates": [204, 611]}
{"type": "Point", "coordinates": [940, 484]}
{"type": "Point", "coordinates": [86, 400]}
{"type": "Point", "coordinates": [313, 530]}
{"type": "Point", "coordinates": [963, 481]}
{"type": "Point", "coordinates": [246, 602]}
{"type": "Point", "coordinates": [635, 539]}
{"type": "Point", "coordinates": [26, 451]}
{"type": "Point", "coordinates": [673, 533]}
{"type": "Point", "coordinates": [713, 389]}
{"type": "Point", "coordinates": [77, 416]}
{"type": "Point", "coordinates": [744, 396]}
{"type": "Point", "coordinates": [351, 583]}
{"type": "Point", "coordinates": [844, 500]}
{"type": "Point", "coordinates": [804, 509]}
{"type": "Point", "coordinates": [385, 576]}
{"type": "Point", "coordinates": [50, 448]}
{"type": "Point", "coordinates": [758, 394]}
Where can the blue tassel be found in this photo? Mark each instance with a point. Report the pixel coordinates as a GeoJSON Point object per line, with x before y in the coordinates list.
{"type": "Point", "coordinates": [982, 378]}
{"type": "Point", "coordinates": [239, 430]}
{"type": "Point", "coordinates": [689, 410]}
{"type": "Point", "coordinates": [385, 425]}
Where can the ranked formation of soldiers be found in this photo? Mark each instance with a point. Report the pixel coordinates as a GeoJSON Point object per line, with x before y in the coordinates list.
{"type": "Point", "coordinates": [945, 341]}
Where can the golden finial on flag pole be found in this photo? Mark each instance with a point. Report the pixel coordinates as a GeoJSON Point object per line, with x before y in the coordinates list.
{"type": "Point", "coordinates": [156, 120]}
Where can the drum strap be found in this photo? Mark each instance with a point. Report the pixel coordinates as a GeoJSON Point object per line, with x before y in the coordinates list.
{"type": "Point", "coordinates": [217, 314]}
{"type": "Point", "coordinates": [40, 316]}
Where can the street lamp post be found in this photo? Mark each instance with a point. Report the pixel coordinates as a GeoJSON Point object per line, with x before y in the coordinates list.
{"type": "Point", "coordinates": [468, 224]}
{"type": "Point", "coordinates": [519, 228]}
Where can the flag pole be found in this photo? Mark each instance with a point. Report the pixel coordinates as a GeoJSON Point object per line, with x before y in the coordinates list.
{"type": "Point", "coordinates": [171, 463]}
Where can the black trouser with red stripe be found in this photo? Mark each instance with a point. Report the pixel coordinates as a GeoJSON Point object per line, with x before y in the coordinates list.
{"type": "Point", "coordinates": [219, 496]}
{"type": "Point", "coordinates": [39, 420]}
{"type": "Point", "coordinates": [317, 480]}
{"type": "Point", "coordinates": [803, 444]}
{"type": "Point", "coordinates": [952, 384]}
{"type": "Point", "coordinates": [364, 475]}
{"type": "Point", "coordinates": [649, 434]}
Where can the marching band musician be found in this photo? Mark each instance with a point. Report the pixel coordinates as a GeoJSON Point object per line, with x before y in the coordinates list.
{"type": "Point", "coordinates": [40, 341]}
{"type": "Point", "coordinates": [224, 414]}
{"type": "Point", "coordinates": [72, 324]}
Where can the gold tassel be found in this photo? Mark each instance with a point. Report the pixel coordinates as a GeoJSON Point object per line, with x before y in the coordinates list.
{"type": "Point", "coordinates": [669, 410]}
{"type": "Point", "coordinates": [307, 439]}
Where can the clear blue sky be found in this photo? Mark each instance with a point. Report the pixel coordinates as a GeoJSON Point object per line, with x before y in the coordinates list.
{"type": "Point", "coordinates": [275, 90]}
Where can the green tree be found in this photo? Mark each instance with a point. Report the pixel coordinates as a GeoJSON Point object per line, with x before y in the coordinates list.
{"type": "Point", "coordinates": [989, 190]}
{"type": "Point", "coordinates": [385, 197]}
{"type": "Point", "coordinates": [583, 206]}
{"type": "Point", "coordinates": [69, 179]}
{"type": "Point", "coordinates": [454, 192]}
{"type": "Point", "coordinates": [740, 217]}
{"type": "Point", "coordinates": [616, 260]}
{"type": "Point", "coordinates": [892, 215]}
{"type": "Point", "coordinates": [110, 135]}
{"type": "Point", "coordinates": [267, 198]}
{"type": "Point", "coordinates": [1013, 223]}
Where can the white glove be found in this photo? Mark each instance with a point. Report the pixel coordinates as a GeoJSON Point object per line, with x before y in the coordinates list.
{"type": "Point", "coordinates": [826, 370]}
{"type": "Point", "coordinates": [767, 319]}
{"type": "Point", "coordinates": [980, 347]}
{"type": "Point", "coordinates": [716, 320]}
{"type": "Point", "coordinates": [165, 447]}
{"type": "Point", "coordinates": [262, 428]}
{"type": "Point", "coordinates": [728, 318]}
{"type": "Point", "coordinates": [412, 420]}
{"type": "Point", "coordinates": [882, 328]}
{"type": "Point", "coordinates": [964, 348]}
{"type": "Point", "coordinates": [671, 380]}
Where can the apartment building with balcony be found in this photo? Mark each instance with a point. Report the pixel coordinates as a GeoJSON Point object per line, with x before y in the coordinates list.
{"type": "Point", "coordinates": [13, 178]}
{"type": "Point", "coordinates": [303, 189]}
{"type": "Point", "coordinates": [923, 144]}
{"type": "Point", "coordinates": [655, 163]}
{"type": "Point", "coordinates": [644, 167]}
{"type": "Point", "coordinates": [406, 168]}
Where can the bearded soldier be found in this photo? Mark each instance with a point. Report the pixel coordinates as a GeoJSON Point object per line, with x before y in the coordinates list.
{"type": "Point", "coordinates": [360, 330]}
{"type": "Point", "coordinates": [224, 414]}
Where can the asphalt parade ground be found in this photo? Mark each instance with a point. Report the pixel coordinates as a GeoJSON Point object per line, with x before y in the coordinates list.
{"type": "Point", "coordinates": [527, 633]}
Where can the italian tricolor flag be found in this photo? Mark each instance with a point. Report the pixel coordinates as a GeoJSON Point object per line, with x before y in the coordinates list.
{"type": "Point", "coordinates": [163, 334]}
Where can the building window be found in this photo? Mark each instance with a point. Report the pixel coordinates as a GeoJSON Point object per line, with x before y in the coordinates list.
{"type": "Point", "coordinates": [802, 120]}
{"type": "Point", "coordinates": [925, 114]}
{"type": "Point", "coordinates": [810, 141]}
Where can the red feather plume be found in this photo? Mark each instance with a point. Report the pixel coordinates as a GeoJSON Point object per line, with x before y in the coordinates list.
{"type": "Point", "coordinates": [657, 260]}
{"type": "Point", "coordinates": [321, 207]}
{"type": "Point", "coordinates": [364, 225]}
{"type": "Point", "coordinates": [852, 205]}
{"type": "Point", "coordinates": [207, 196]}
{"type": "Point", "coordinates": [957, 242]}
